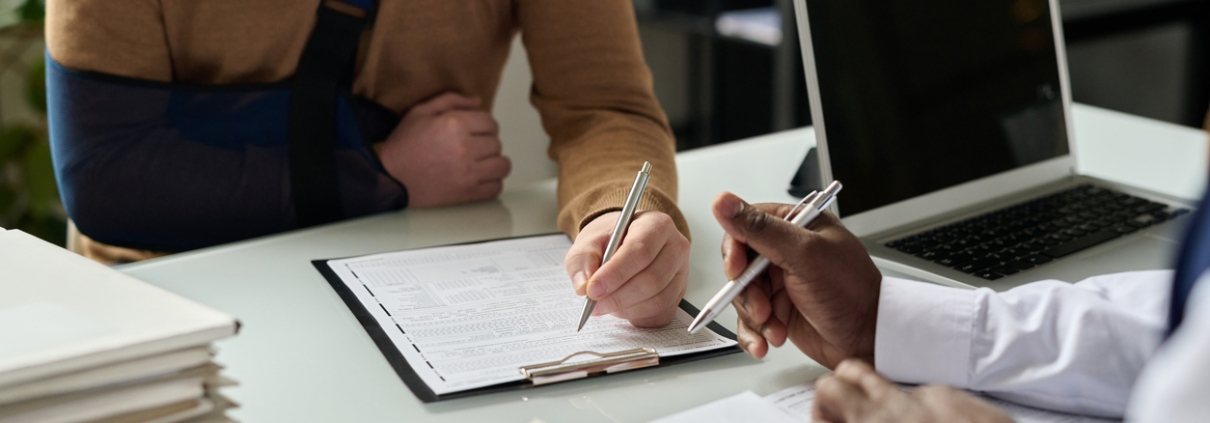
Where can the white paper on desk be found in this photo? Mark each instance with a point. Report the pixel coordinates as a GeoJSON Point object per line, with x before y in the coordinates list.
{"type": "Point", "coordinates": [799, 399]}
{"type": "Point", "coordinates": [796, 400]}
{"type": "Point", "coordinates": [745, 407]}
{"type": "Point", "coordinates": [470, 316]}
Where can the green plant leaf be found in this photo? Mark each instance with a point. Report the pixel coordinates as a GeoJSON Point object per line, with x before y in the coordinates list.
{"type": "Point", "coordinates": [35, 87]}
{"type": "Point", "coordinates": [14, 140]}
{"type": "Point", "coordinates": [33, 11]}
{"type": "Point", "coordinates": [39, 175]}
{"type": "Point", "coordinates": [8, 199]}
{"type": "Point", "coordinates": [48, 228]}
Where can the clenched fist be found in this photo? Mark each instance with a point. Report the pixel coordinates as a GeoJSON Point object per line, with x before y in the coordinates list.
{"type": "Point", "coordinates": [446, 151]}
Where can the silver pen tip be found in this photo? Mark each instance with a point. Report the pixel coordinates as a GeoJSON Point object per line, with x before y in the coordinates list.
{"type": "Point", "coordinates": [646, 167]}
{"type": "Point", "coordinates": [583, 320]}
{"type": "Point", "coordinates": [696, 325]}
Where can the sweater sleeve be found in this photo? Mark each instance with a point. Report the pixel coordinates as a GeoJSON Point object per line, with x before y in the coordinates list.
{"type": "Point", "coordinates": [124, 38]}
{"type": "Point", "coordinates": [594, 93]}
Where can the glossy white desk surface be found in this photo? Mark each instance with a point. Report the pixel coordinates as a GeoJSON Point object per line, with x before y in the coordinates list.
{"type": "Point", "coordinates": [303, 357]}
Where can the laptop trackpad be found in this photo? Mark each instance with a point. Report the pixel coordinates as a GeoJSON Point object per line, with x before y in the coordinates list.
{"type": "Point", "coordinates": [1146, 252]}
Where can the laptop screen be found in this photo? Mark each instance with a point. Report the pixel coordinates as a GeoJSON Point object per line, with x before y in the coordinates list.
{"type": "Point", "coordinates": [921, 96]}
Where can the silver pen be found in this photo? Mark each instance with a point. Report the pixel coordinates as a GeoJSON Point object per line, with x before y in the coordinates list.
{"type": "Point", "coordinates": [816, 204]}
{"type": "Point", "coordinates": [632, 201]}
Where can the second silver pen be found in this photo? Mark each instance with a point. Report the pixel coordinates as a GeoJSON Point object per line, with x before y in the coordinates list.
{"type": "Point", "coordinates": [732, 288]}
{"type": "Point", "coordinates": [615, 239]}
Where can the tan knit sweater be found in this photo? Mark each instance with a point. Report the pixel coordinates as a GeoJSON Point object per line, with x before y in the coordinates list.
{"type": "Point", "coordinates": [591, 85]}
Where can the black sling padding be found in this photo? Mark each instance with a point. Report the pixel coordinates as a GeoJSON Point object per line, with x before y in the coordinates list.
{"type": "Point", "coordinates": [325, 67]}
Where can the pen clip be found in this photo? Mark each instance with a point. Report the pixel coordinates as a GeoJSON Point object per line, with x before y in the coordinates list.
{"type": "Point", "coordinates": [826, 203]}
{"type": "Point", "coordinates": [829, 195]}
{"type": "Point", "coordinates": [802, 204]}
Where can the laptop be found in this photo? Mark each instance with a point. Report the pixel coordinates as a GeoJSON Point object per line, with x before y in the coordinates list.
{"type": "Point", "coordinates": [949, 122]}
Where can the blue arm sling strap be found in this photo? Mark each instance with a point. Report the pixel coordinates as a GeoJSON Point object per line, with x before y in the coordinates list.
{"type": "Point", "coordinates": [173, 167]}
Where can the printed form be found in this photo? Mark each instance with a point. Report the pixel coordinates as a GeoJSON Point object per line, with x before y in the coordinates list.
{"type": "Point", "coordinates": [469, 316]}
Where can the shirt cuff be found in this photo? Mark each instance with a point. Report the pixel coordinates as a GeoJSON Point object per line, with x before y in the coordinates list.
{"type": "Point", "coordinates": [924, 332]}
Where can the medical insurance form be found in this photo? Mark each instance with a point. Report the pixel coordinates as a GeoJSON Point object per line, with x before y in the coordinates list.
{"type": "Point", "coordinates": [469, 316]}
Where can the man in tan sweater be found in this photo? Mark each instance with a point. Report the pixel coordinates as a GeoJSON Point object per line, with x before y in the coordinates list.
{"type": "Point", "coordinates": [437, 63]}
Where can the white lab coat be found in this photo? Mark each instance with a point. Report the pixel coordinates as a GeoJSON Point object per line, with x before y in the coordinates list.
{"type": "Point", "coordinates": [1069, 347]}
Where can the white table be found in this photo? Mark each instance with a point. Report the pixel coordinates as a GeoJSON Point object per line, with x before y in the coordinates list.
{"type": "Point", "coordinates": [303, 357]}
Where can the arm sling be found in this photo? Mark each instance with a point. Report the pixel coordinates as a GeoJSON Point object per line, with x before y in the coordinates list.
{"type": "Point", "coordinates": [172, 167]}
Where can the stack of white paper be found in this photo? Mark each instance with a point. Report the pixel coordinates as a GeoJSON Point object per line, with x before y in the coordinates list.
{"type": "Point", "coordinates": [80, 342]}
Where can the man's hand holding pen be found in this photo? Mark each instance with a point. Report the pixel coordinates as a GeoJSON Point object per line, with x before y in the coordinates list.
{"type": "Point", "coordinates": [647, 277]}
{"type": "Point", "coordinates": [641, 280]}
{"type": "Point", "coordinates": [820, 292]}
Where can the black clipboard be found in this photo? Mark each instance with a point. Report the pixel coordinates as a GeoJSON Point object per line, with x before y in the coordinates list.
{"type": "Point", "coordinates": [426, 394]}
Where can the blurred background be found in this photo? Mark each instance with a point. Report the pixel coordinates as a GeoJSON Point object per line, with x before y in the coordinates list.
{"type": "Point", "coordinates": [731, 69]}
{"type": "Point", "coordinates": [724, 70]}
{"type": "Point", "coordinates": [29, 200]}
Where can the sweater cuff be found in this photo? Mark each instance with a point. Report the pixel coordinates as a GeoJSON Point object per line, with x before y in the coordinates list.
{"type": "Point", "coordinates": [924, 332]}
{"type": "Point", "coordinates": [609, 197]}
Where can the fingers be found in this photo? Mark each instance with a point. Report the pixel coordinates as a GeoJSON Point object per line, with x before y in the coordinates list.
{"type": "Point", "coordinates": [735, 257]}
{"type": "Point", "coordinates": [850, 391]}
{"type": "Point", "coordinates": [476, 122]}
{"type": "Point", "coordinates": [752, 304]}
{"type": "Point", "coordinates": [782, 307]}
{"type": "Point", "coordinates": [660, 309]}
{"type": "Point", "coordinates": [487, 190]}
{"type": "Point", "coordinates": [862, 374]}
{"type": "Point", "coordinates": [648, 234]}
{"type": "Point", "coordinates": [774, 331]}
{"type": "Point", "coordinates": [646, 284]}
{"type": "Point", "coordinates": [480, 146]}
{"type": "Point", "coordinates": [751, 341]}
{"type": "Point", "coordinates": [838, 400]}
{"type": "Point", "coordinates": [446, 102]}
{"type": "Point", "coordinates": [755, 311]}
{"type": "Point", "coordinates": [477, 132]}
{"type": "Point", "coordinates": [766, 233]}
{"type": "Point", "coordinates": [646, 277]}
{"type": "Point", "coordinates": [446, 151]}
{"type": "Point", "coordinates": [824, 222]}
{"type": "Point", "coordinates": [585, 254]}
{"type": "Point", "coordinates": [483, 147]}
{"type": "Point", "coordinates": [949, 404]}
{"type": "Point", "coordinates": [493, 168]}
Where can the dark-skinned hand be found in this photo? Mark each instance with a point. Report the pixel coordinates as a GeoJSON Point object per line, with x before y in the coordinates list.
{"type": "Point", "coordinates": [821, 289]}
{"type": "Point", "coordinates": [857, 394]}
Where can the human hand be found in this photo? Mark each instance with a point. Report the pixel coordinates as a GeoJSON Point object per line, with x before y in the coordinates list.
{"type": "Point", "coordinates": [856, 393]}
{"type": "Point", "coordinates": [446, 151]}
{"type": "Point", "coordinates": [821, 289]}
{"type": "Point", "coordinates": [647, 276]}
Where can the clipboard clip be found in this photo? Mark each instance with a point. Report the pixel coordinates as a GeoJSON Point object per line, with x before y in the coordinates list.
{"type": "Point", "coordinates": [620, 361]}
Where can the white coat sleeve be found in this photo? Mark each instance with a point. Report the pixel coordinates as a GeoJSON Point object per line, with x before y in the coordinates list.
{"type": "Point", "coordinates": [1173, 387]}
{"type": "Point", "coordinates": [1050, 344]}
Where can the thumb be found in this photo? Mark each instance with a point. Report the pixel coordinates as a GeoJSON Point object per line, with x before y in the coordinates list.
{"type": "Point", "coordinates": [768, 234]}
{"type": "Point", "coordinates": [582, 261]}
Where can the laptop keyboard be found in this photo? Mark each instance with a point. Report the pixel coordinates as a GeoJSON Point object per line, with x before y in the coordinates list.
{"type": "Point", "coordinates": [1036, 232]}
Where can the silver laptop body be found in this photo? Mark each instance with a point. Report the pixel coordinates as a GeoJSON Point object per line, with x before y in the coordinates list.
{"type": "Point", "coordinates": [1038, 160]}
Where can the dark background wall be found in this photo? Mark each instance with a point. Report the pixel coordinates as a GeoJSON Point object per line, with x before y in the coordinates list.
{"type": "Point", "coordinates": [1144, 57]}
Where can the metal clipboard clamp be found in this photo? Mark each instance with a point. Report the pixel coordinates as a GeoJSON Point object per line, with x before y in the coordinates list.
{"type": "Point", "coordinates": [558, 371]}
